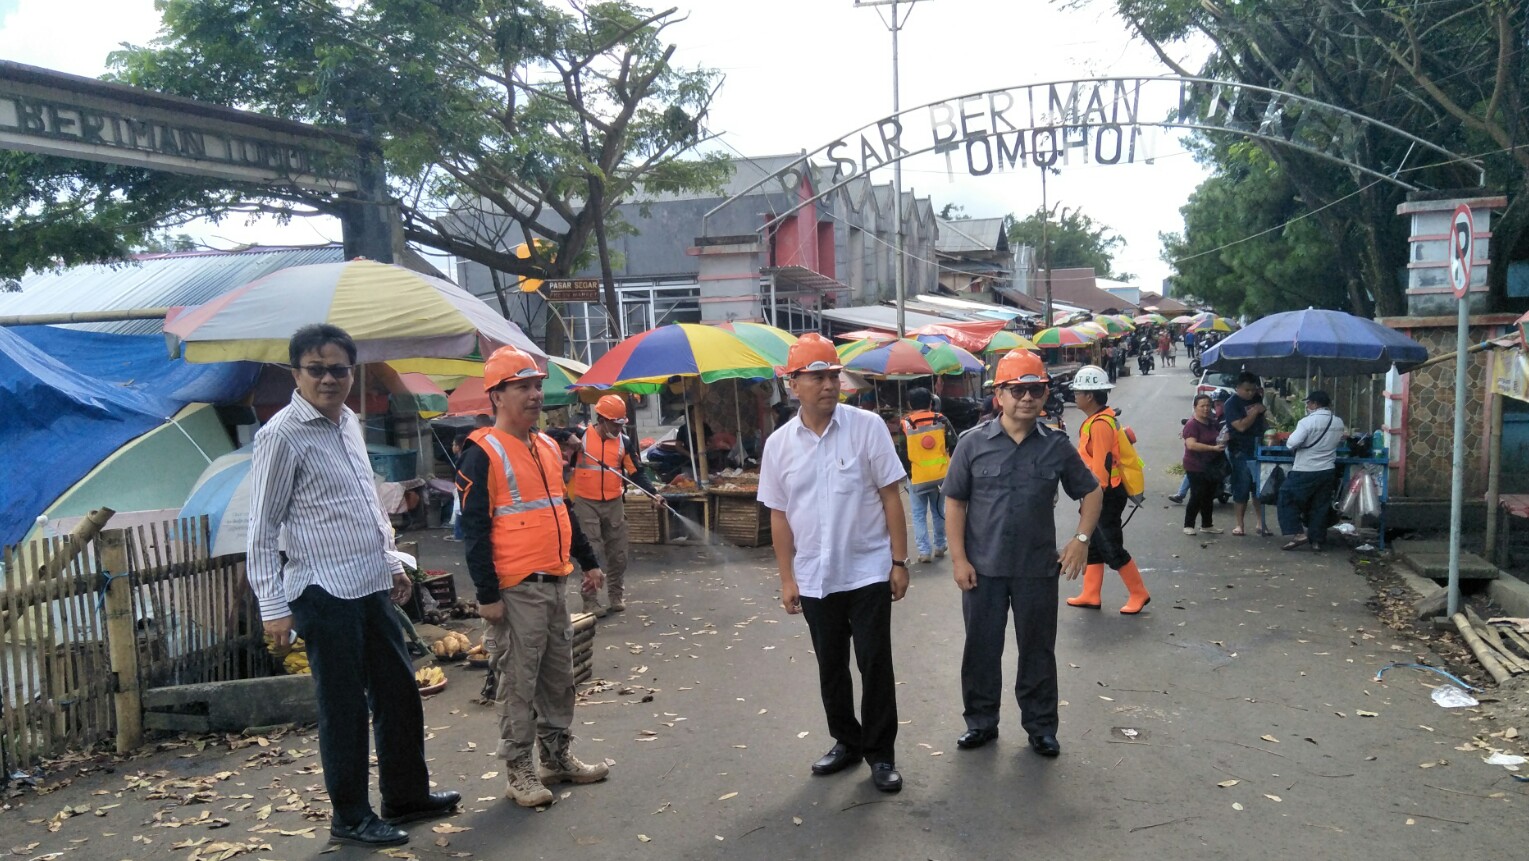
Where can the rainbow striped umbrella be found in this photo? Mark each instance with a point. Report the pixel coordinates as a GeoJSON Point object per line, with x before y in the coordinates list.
{"type": "Point", "coordinates": [1183, 318]}
{"type": "Point", "coordinates": [644, 362]}
{"type": "Point", "coordinates": [1093, 330]}
{"type": "Point", "coordinates": [1126, 321]}
{"type": "Point", "coordinates": [1057, 336]}
{"type": "Point", "coordinates": [1212, 323]}
{"type": "Point", "coordinates": [1151, 319]}
{"type": "Point", "coordinates": [767, 341]}
{"type": "Point", "coordinates": [1111, 324]}
{"type": "Point", "coordinates": [1004, 341]}
{"type": "Point", "coordinates": [906, 358]}
{"type": "Point", "coordinates": [390, 311]}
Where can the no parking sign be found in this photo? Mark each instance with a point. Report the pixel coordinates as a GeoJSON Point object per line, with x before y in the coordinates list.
{"type": "Point", "coordinates": [1462, 233]}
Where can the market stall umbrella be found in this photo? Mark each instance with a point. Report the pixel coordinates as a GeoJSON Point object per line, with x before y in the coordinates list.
{"type": "Point", "coordinates": [1151, 319]}
{"type": "Point", "coordinates": [390, 311]}
{"type": "Point", "coordinates": [1061, 337]}
{"type": "Point", "coordinates": [645, 361]}
{"type": "Point", "coordinates": [1212, 323]}
{"type": "Point", "coordinates": [469, 399]}
{"type": "Point", "coordinates": [222, 493]}
{"type": "Point", "coordinates": [767, 341]}
{"type": "Point", "coordinates": [1005, 341]}
{"type": "Point", "coordinates": [1095, 331]}
{"type": "Point", "coordinates": [1182, 319]}
{"type": "Point", "coordinates": [906, 359]}
{"type": "Point", "coordinates": [1332, 343]}
{"type": "Point", "coordinates": [1125, 320]}
{"type": "Point", "coordinates": [1112, 325]}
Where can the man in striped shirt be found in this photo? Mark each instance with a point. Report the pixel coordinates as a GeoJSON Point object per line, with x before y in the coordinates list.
{"type": "Point", "coordinates": [319, 563]}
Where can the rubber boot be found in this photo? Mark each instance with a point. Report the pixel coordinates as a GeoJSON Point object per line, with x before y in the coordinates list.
{"type": "Point", "coordinates": [1093, 581]}
{"type": "Point", "coordinates": [1131, 576]}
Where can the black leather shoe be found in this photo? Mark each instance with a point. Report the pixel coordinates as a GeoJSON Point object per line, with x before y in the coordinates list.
{"type": "Point", "coordinates": [1046, 745]}
{"type": "Point", "coordinates": [886, 778]}
{"type": "Point", "coordinates": [370, 831]}
{"type": "Point", "coordinates": [975, 738]}
{"type": "Point", "coordinates": [838, 758]}
{"type": "Point", "coordinates": [434, 804]}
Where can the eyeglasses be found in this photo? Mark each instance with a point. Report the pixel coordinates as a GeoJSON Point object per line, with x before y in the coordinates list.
{"type": "Point", "coordinates": [319, 372]}
{"type": "Point", "coordinates": [1019, 390]}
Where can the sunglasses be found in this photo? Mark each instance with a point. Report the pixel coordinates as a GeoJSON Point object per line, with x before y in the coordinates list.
{"type": "Point", "coordinates": [319, 372]}
{"type": "Point", "coordinates": [1020, 390]}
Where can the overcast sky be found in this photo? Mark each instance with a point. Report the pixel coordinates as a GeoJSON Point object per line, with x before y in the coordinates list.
{"type": "Point", "coordinates": [801, 73]}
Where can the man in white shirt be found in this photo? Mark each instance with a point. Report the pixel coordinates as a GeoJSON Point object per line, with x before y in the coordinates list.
{"type": "Point", "coordinates": [830, 478]}
{"type": "Point", "coordinates": [1306, 496]}
{"type": "Point", "coordinates": [335, 583]}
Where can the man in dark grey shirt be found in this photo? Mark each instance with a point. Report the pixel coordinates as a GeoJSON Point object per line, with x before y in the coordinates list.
{"type": "Point", "coordinates": [1000, 497]}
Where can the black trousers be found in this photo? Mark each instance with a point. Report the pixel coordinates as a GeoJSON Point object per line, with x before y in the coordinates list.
{"type": "Point", "coordinates": [1203, 490]}
{"type": "Point", "coordinates": [862, 617]}
{"type": "Point", "coordinates": [1108, 545]}
{"type": "Point", "coordinates": [360, 666]}
{"type": "Point", "coordinates": [986, 609]}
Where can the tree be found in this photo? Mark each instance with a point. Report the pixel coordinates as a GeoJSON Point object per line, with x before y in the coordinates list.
{"type": "Point", "coordinates": [498, 121]}
{"type": "Point", "coordinates": [1075, 241]}
{"type": "Point", "coordinates": [1450, 72]}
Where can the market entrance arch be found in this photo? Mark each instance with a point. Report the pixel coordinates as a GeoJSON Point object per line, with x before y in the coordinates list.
{"type": "Point", "coordinates": [1104, 121]}
{"type": "Point", "coordinates": [53, 113]}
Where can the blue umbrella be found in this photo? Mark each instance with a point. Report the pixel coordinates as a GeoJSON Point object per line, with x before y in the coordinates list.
{"type": "Point", "coordinates": [1331, 343]}
{"type": "Point", "coordinates": [223, 494]}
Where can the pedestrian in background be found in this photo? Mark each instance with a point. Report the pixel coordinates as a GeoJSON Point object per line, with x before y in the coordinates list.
{"type": "Point", "coordinates": [1202, 449]}
{"type": "Point", "coordinates": [929, 438]}
{"type": "Point", "coordinates": [1245, 419]}
{"type": "Point", "coordinates": [830, 478]}
{"type": "Point", "coordinates": [1000, 521]}
{"type": "Point", "coordinates": [520, 546]}
{"type": "Point", "coordinates": [1306, 496]}
{"type": "Point", "coordinates": [333, 580]}
{"type": "Point", "coordinates": [1098, 443]}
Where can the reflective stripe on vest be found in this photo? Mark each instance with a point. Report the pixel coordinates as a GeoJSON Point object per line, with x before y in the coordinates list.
{"type": "Point", "coordinates": [591, 478]}
{"type": "Point", "coordinates": [516, 504]}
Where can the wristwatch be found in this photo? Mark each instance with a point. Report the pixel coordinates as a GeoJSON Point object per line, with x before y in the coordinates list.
{"type": "Point", "coordinates": [1082, 537]}
{"type": "Point", "coordinates": [901, 563]}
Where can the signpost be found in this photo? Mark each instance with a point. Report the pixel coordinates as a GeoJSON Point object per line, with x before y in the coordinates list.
{"type": "Point", "coordinates": [1462, 233]}
{"type": "Point", "coordinates": [571, 289]}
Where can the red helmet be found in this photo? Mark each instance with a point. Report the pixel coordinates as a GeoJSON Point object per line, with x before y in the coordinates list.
{"type": "Point", "coordinates": [508, 364]}
{"type": "Point", "coordinates": [611, 408]}
{"type": "Point", "coordinates": [1020, 366]}
{"type": "Point", "coordinates": [812, 352]}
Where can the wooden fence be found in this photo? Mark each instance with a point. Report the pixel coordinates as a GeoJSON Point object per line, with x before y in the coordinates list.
{"type": "Point", "coordinates": [83, 633]}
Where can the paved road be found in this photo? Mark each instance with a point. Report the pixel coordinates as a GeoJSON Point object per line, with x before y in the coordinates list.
{"type": "Point", "coordinates": [1250, 665]}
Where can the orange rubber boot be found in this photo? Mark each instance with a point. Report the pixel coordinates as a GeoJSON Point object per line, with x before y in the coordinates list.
{"type": "Point", "coordinates": [1131, 576]}
{"type": "Point", "coordinates": [1093, 581]}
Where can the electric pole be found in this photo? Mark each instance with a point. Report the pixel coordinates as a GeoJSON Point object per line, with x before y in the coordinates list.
{"type": "Point", "coordinates": [898, 21]}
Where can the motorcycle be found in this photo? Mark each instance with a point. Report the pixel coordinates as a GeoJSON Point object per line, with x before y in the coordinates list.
{"type": "Point", "coordinates": [1195, 367]}
{"type": "Point", "coordinates": [1144, 362]}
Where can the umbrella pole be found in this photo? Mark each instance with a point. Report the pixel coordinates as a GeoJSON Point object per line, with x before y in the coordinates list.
{"type": "Point", "coordinates": [362, 411]}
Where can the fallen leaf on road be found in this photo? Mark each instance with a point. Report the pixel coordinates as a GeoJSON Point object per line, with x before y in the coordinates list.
{"type": "Point", "coordinates": [643, 838]}
{"type": "Point", "coordinates": [1107, 699]}
{"type": "Point", "coordinates": [1227, 784]}
{"type": "Point", "coordinates": [1363, 713]}
{"type": "Point", "coordinates": [1236, 805]}
{"type": "Point", "coordinates": [795, 820]}
{"type": "Point", "coordinates": [1269, 738]}
{"type": "Point", "coordinates": [1274, 798]}
{"type": "Point", "coordinates": [490, 775]}
{"type": "Point", "coordinates": [802, 734]}
{"type": "Point", "coordinates": [448, 828]}
{"type": "Point", "coordinates": [727, 796]}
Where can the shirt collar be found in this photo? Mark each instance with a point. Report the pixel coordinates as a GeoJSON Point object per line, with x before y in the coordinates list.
{"type": "Point", "coordinates": [995, 429]}
{"type": "Point", "coordinates": [307, 412]}
{"type": "Point", "coordinates": [833, 420]}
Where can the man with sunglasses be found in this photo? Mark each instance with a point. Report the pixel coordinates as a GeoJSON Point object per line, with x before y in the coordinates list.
{"type": "Point", "coordinates": [830, 478]}
{"type": "Point", "coordinates": [1000, 497]}
{"type": "Point", "coordinates": [319, 563]}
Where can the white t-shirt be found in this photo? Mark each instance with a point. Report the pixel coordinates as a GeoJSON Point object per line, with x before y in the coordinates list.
{"type": "Point", "coordinates": [829, 487]}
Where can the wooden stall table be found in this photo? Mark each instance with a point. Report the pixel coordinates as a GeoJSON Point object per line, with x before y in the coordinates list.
{"type": "Point", "coordinates": [694, 505]}
{"type": "Point", "coordinates": [741, 518]}
{"type": "Point", "coordinates": [644, 523]}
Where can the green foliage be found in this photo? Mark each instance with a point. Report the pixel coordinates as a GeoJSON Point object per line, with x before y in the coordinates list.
{"type": "Point", "coordinates": [1450, 73]}
{"type": "Point", "coordinates": [1075, 240]}
{"type": "Point", "coordinates": [496, 120]}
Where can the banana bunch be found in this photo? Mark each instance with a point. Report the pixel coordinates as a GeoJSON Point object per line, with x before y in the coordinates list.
{"type": "Point", "coordinates": [429, 677]}
{"type": "Point", "coordinates": [296, 663]}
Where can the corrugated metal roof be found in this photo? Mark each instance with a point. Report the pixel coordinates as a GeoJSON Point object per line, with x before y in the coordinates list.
{"type": "Point", "coordinates": [879, 317]}
{"type": "Point", "coordinates": [970, 236]}
{"type": "Point", "coordinates": [154, 280]}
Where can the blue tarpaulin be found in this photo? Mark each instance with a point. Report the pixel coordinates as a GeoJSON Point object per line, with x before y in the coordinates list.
{"type": "Point", "coordinates": [68, 399]}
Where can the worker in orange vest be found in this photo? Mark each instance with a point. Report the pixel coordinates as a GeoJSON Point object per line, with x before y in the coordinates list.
{"type": "Point", "coordinates": [520, 542]}
{"type": "Point", "coordinates": [929, 438]}
{"type": "Point", "coordinates": [600, 473]}
{"type": "Point", "coordinates": [1098, 444]}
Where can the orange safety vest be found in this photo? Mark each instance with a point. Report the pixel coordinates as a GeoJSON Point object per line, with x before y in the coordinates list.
{"type": "Point", "coordinates": [591, 478]}
{"type": "Point", "coordinates": [530, 530]}
{"type": "Point", "coordinates": [1109, 459]}
{"type": "Point", "coordinates": [925, 435]}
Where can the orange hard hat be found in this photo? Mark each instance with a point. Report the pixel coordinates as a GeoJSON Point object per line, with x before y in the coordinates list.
{"type": "Point", "coordinates": [812, 352]}
{"type": "Point", "coordinates": [612, 408]}
{"type": "Point", "coordinates": [508, 364]}
{"type": "Point", "coordinates": [1020, 366]}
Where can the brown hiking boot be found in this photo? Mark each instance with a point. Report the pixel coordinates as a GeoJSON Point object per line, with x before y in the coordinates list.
{"type": "Point", "coordinates": [559, 765]}
{"type": "Point", "coordinates": [522, 785]}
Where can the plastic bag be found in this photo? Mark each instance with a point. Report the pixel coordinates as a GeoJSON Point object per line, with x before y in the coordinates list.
{"type": "Point", "coordinates": [1269, 494]}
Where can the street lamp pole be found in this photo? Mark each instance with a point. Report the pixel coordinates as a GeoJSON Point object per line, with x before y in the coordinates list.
{"type": "Point", "coordinates": [1046, 247]}
{"type": "Point", "coordinates": [895, 25]}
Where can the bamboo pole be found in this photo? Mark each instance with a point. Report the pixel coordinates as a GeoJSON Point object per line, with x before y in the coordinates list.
{"type": "Point", "coordinates": [1483, 652]}
{"type": "Point", "coordinates": [122, 639]}
{"type": "Point", "coordinates": [1513, 662]}
{"type": "Point", "coordinates": [79, 538]}
{"type": "Point", "coordinates": [84, 317]}
{"type": "Point", "coordinates": [1494, 478]}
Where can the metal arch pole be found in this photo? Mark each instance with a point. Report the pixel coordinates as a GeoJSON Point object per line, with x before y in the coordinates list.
{"type": "Point", "coordinates": [897, 193]}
